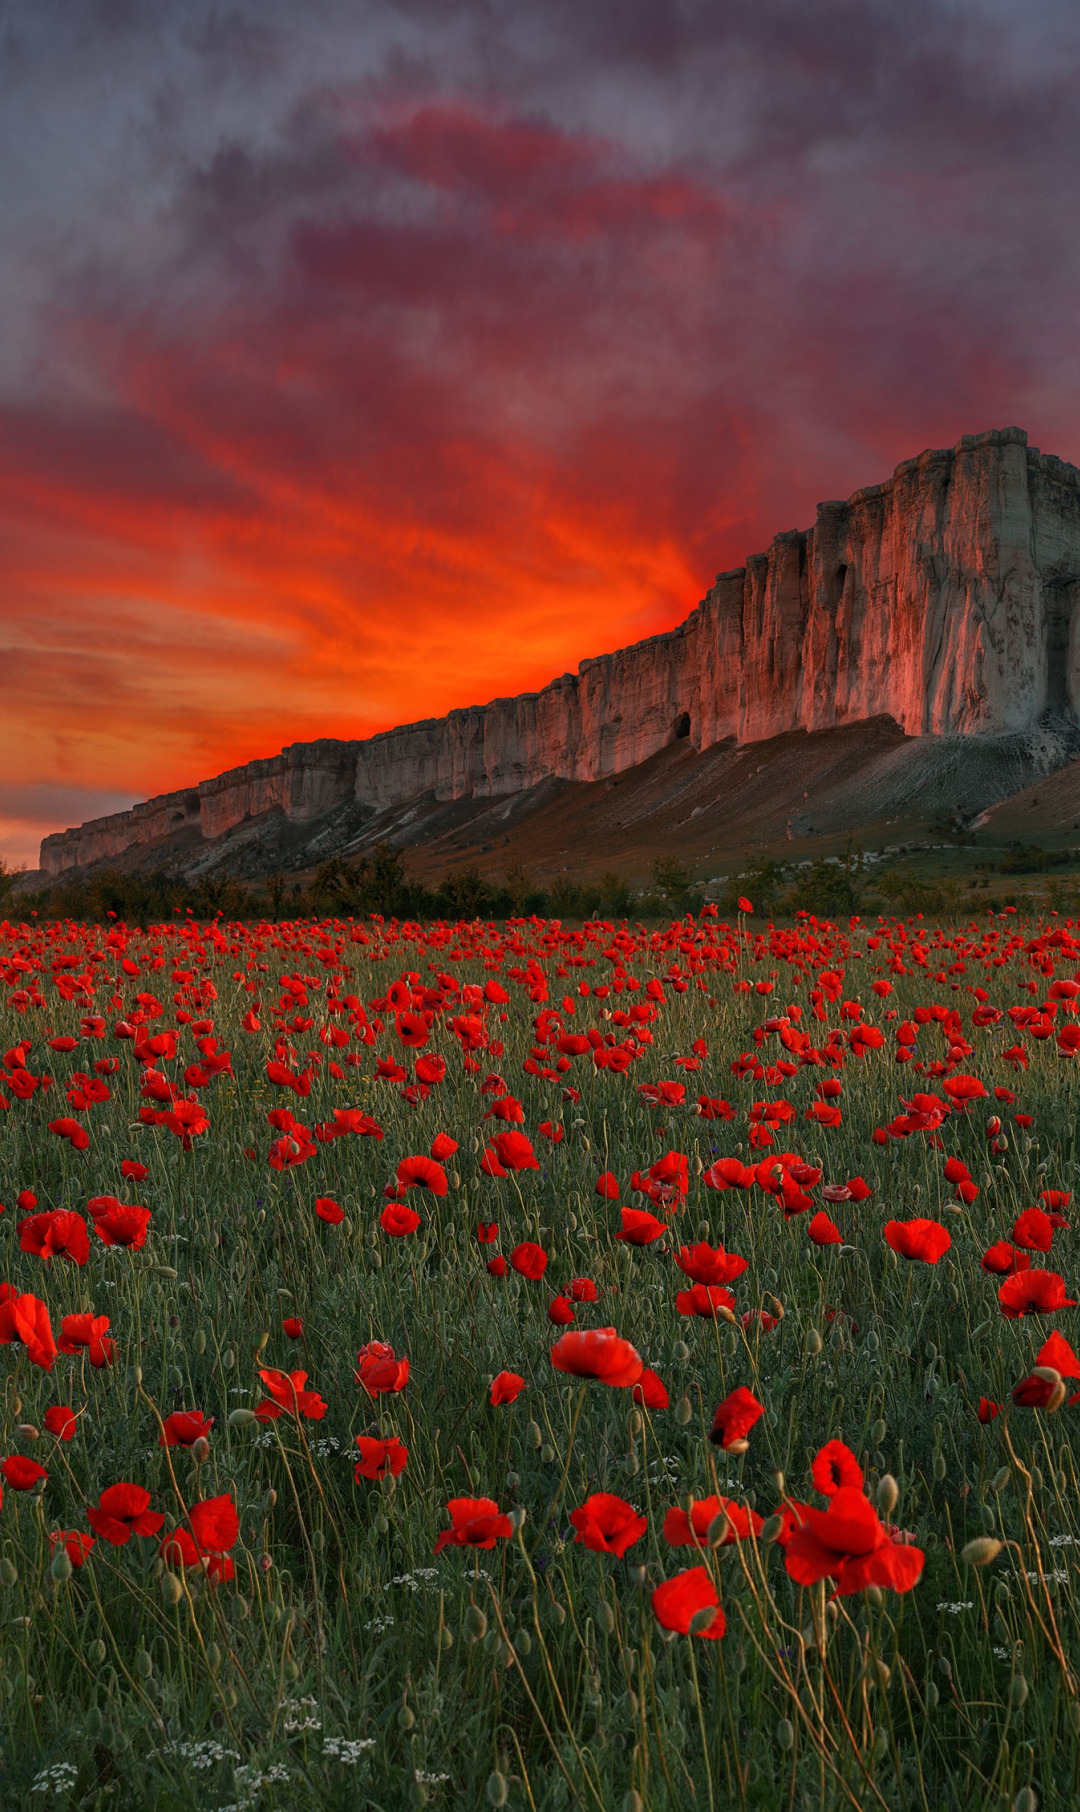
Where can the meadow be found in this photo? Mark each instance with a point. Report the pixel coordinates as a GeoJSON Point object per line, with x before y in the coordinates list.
{"type": "Point", "coordinates": [487, 1364]}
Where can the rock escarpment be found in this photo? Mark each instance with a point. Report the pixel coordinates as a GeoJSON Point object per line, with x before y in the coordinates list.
{"type": "Point", "coordinates": [944, 599]}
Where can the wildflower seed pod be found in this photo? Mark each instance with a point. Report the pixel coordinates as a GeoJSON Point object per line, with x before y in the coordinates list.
{"type": "Point", "coordinates": [200, 1450]}
{"type": "Point", "coordinates": [887, 1495]}
{"type": "Point", "coordinates": [784, 1734]}
{"type": "Point", "coordinates": [61, 1568]}
{"type": "Point", "coordinates": [980, 1551]}
{"type": "Point", "coordinates": [27, 1432]}
{"type": "Point", "coordinates": [497, 1791]}
{"type": "Point", "coordinates": [475, 1623]}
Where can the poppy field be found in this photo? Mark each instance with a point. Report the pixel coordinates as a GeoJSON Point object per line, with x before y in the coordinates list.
{"type": "Point", "coordinates": [516, 1364]}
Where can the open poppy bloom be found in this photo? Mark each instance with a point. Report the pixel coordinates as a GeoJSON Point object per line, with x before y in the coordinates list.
{"type": "Point", "coordinates": [1056, 1351]}
{"type": "Point", "coordinates": [379, 1370]}
{"type": "Point", "coordinates": [329, 1211]}
{"type": "Point", "coordinates": [689, 1529]}
{"type": "Point", "coordinates": [650, 1392]}
{"type": "Point", "coordinates": [529, 1260]}
{"type": "Point", "coordinates": [506, 1387]}
{"type": "Point", "coordinates": [734, 1419]}
{"type": "Point", "coordinates": [709, 1264]}
{"type": "Point", "coordinates": [422, 1173]}
{"type": "Point", "coordinates": [513, 1152]}
{"type": "Point", "coordinates": [379, 1457]}
{"type": "Point", "coordinates": [823, 1231]}
{"type": "Point", "coordinates": [60, 1421]}
{"type": "Point", "coordinates": [598, 1353]}
{"type": "Point", "coordinates": [75, 1544]}
{"type": "Point", "coordinates": [607, 1186]}
{"type": "Point", "coordinates": [920, 1239]}
{"type": "Point", "coordinates": [79, 1333]}
{"type": "Point", "coordinates": [849, 1544]}
{"type": "Point", "coordinates": [57, 1232]}
{"type": "Point", "coordinates": [25, 1317]}
{"type": "Point", "coordinates": [398, 1220]}
{"type": "Point", "coordinates": [679, 1602]}
{"type": "Point", "coordinates": [21, 1473]}
{"type": "Point", "coordinates": [704, 1299]}
{"type": "Point", "coordinates": [639, 1227]}
{"type": "Point", "coordinates": [1033, 1231]}
{"type": "Point", "coordinates": [608, 1524]}
{"type": "Point", "coordinates": [123, 1511]}
{"type": "Point", "coordinates": [214, 1529]}
{"type": "Point", "coordinates": [126, 1224]}
{"type": "Point", "coordinates": [1033, 1292]}
{"type": "Point", "coordinates": [184, 1427]}
{"type": "Point", "coordinates": [835, 1466]}
{"type": "Point", "coordinates": [476, 1522]}
{"type": "Point", "coordinates": [289, 1397]}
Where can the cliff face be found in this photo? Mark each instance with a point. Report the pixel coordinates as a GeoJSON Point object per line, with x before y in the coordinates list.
{"type": "Point", "coordinates": [944, 599]}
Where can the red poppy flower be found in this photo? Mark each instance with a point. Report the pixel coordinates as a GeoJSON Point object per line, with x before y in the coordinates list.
{"type": "Point", "coordinates": [25, 1317]}
{"type": "Point", "coordinates": [529, 1260]}
{"type": "Point", "coordinates": [60, 1421]}
{"type": "Point", "coordinates": [132, 1171]}
{"type": "Point", "coordinates": [709, 1264]}
{"type": "Point", "coordinates": [422, 1173]}
{"type": "Point", "coordinates": [824, 1232]}
{"type": "Point", "coordinates": [561, 1311]}
{"type": "Point", "coordinates": [734, 1419]}
{"type": "Point", "coordinates": [184, 1427]}
{"type": "Point", "coordinates": [87, 1332]}
{"type": "Point", "coordinates": [1035, 1392]}
{"type": "Point", "coordinates": [1052, 1199]}
{"type": "Point", "coordinates": [849, 1544]}
{"type": "Point", "coordinates": [76, 1135]}
{"type": "Point", "coordinates": [76, 1545]}
{"type": "Point", "coordinates": [498, 1266]}
{"type": "Point", "coordinates": [1004, 1259]}
{"type": "Point", "coordinates": [398, 1220]}
{"type": "Point", "coordinates": [123, 1511]}
{"type": "Point", "coordinates": [608, 1524]}
{"type": "Point", "coordinates": [639, 1227]}
{"type": "Point", "coordinates": [26, 1201]}
{"type": "Point", "coordinates": [379, 1371]}
{"type": "Point", "coordinates": [443, 1147]}
{"type": "Point", "coordinates": [598, 1353]}
{"type": "Point", "coordinates": [679, 1601]}
{"type": "Point", "coordinates": [918, 1239]}
{"type": "Point", "coordinates": [704, 1299]}
{"type": "Point", "coordinates": [608, 1187]}
{"type": "Point", "coordinates": [292, 1327]}
{"type": "Point", "coordinates": [506, 1387]}
{"type": "Point", "coordinates": [553, 1130]}
{"type": "Point", "coordinates": [329, 1211]}
{"type": "Point", "coordinates": [729, 1173]}
{"type": "Point", "coordinates": [650, 1391]}
{"type": "Point", "coordinates": [988, 1409]}
{"type": "Point", "coordinates": [431, 1069]}
{"type": "Point", "coordinates": [1033, 1230]}
{"type": "Point", "coordinates": [124, 1225]}
{"type": "Point", "coordinates": [1056, 1351]}
{"type": "Point", "coordinates": [582, 1289]}
{"type": "Point", "coordinates": [379, 1457]}
{"type": "Point", "coordinates": [487, 1232]}
{"type": "Point", "coordinates": [288, 1396]}
{"type": "Point", "coordinates": [1033, 1293]}
{"type": "Point", "coordinates": [834, 1467]}
{"type": "Point", "coordinates": [514, 1152]}
{"type": "Point", "coordinates": [21, 1473]}
{"type": "Point", "coordinates": [508, 1108]}
{"type": "Point", "coordinates": [476, 1522]}
{"type": "Point", "coordinates": [215, 1527]}
{"type": "Point", "coordinates": [58, 1232]}
{"type": "Point", "coordinates": [683, 1530]}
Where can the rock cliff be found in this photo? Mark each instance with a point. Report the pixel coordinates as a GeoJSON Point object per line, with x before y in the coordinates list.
{"type": "Point", "coordinates": [944, 599]}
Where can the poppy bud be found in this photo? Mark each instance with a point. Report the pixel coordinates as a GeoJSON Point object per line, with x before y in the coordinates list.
{"type": "Point", "coordinates": [632, 1800]}
{"type": "Point", "coordinates": [981, 1551]}
{"type": "Point", "coordinates": [684, 1411]}
{"type": "Point", "coordinates": [771, 1528]}
{"type": "Point", "coordinates": [877, 1431]}
{"type": "Point", "coordinates": [784, 1733]}
{"type": "Point", "coordinates": [27, 1432]}
{"type": "Point", "coordinates": [200, 1449]}
{"type": "Point", "coordinates": [887, 1495]}
{"type": "Point", "coordinates": [1018, 1692]}
{"type": "Point", "coordinates": [497, 1791]}
{"type": "Point", "coordinates": [993, 1126]}
{"type": "Point", "coordinates": [1000, 1479]}
{"type": "Point", "coordinates": [171, 1589]}
{"type": "Point", "coordinates": [702, 1620]}
{"type": "Point", "coordinates": [1027, 1800]}
{"type": "Point", "coordinates": [813, 1342]}
{"type": "Point", "coordinates": [680, 1351]}
{"type": "Point", "coordinates": [242, 1418]}
{"type": "Point", "coordinates": [475, 1623]}
{"type": "Point", "coordinates": [61, 1568]}
{"type": "Point", "coordinates": [719, 1530]}
{"type": "Point", "coordinates": [533, 1434]}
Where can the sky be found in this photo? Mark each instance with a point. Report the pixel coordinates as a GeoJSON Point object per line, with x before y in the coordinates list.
{"type": "Point", "coordinates": [361, 360]}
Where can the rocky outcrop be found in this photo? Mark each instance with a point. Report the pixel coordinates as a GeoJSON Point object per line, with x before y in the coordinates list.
{"type": "Point", "coordinates": [944, 599]}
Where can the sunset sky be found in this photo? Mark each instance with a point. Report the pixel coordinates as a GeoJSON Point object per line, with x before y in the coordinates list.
{"type": "Point", "coordinates": [361, 360]}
